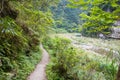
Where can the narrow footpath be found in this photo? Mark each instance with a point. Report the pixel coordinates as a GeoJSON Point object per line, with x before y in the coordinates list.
{"type": "Point", "coordinates": [39, 72]}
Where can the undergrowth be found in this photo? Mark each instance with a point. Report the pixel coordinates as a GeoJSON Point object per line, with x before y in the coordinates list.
{"type": "Point", "coordinates": [21, 67]}
{"type": "Point", "coordinates": [69, 63]}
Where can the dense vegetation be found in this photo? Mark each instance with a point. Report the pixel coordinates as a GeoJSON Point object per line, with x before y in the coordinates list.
{"type": "Point", "coordinates": [69, 63]}
{"type": "Point", "coordinates": [23, 24]}
{"type": "Point", "coordinates": [66, 18]}
{"type": "Point", "coordinates": [98, 15]}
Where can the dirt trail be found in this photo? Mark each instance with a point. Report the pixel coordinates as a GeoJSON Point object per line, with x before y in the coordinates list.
{"type": "Point", "coordinates": [39, 72]}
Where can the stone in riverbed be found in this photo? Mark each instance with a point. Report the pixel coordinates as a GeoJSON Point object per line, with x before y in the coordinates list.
{"type": "Point", "coordinates": [115, 33]}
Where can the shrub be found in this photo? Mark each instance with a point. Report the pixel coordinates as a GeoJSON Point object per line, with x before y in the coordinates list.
{"type": "Point", "coordinates": [64, 58]}
{"type": "Point", "coordinates": [69, 63]}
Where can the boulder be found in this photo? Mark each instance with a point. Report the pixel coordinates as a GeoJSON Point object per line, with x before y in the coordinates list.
{"type": "Point", "coordinates": [102, 36]}
{"type": "Point", "coordinates": [117, 23]}
{"type": "Point", "coordinates": [115, 33]}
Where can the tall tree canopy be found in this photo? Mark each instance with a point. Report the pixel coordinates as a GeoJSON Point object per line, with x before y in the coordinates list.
{"type": "Point", "coordinates": [65, 17]}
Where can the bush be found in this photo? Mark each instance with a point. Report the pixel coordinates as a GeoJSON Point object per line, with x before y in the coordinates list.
{"type": "Point", "coordinates": [19, 69]}
{"type": "Point", "coordinates": [64, 58]}
{"type": "Point", "coordinates": [68, 63]}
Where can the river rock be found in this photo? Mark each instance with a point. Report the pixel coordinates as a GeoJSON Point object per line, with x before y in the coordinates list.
{"type": "Point", "coordinates": [115, 33]}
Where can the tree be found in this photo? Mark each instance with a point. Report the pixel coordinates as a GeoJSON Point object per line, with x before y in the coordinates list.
{"type": "Point", "coordinates": [22, 27]}
{"type": "Point", "coordinates": [65, 17]}
{"type": "Point", "coordinates": [98, 15]}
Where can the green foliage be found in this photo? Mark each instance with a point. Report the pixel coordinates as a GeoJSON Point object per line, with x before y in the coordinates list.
{"type": "Point", "coordinates": [66, 17]}
{"type": "Point", "coordinates": [68, 63]}
{"type": "Point", "coordinates": [16, 60]}
{"type": "Point", "coordinates": [26, 65]}
{"type": "Point", "coordinates": [22, 27]}
{"type": "Point", "coordinates": [38, 21]}
{"type": "Point", "coordinates": [21, 67]}
{"type": "Point", "coordinates": [63, 58]}
{"type": "Point", "coordinates": [98, 15]}
{"type": "Point", "coordinates": [10, 37]}
{"type": "Point", "coordinates": [60, 30]}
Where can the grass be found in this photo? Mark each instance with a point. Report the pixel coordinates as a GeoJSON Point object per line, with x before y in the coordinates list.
{"type": "Point", "coordinates": [93, 44]}
{"type": "Point", "coordinates": [88, 66]}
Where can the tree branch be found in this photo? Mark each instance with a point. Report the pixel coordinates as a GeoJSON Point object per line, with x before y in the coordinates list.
{"type": "Point", "coordinates": [2, 3]}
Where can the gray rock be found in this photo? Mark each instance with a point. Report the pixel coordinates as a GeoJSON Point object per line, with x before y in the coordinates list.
{"type": "Point", "coordinates": [117, 23]}
{"type": "Point", "coordinates": [115, 33]}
